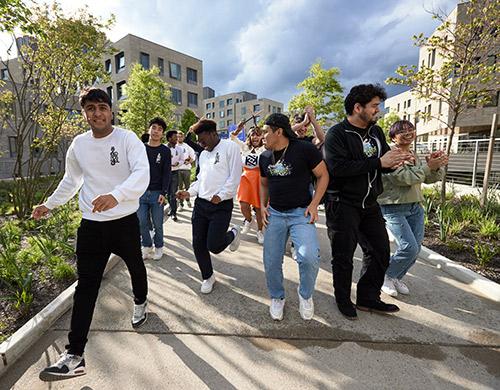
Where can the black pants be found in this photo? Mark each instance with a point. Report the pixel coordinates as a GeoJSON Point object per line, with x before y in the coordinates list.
{"type": "Point", "coordinates": [348, 226]}
{"type": "Point", "coordinates": [95, 243]}
{"type": "Point", "coordinates": [172, 189]}
{"type": "Point", "coordinates": [210, 223]}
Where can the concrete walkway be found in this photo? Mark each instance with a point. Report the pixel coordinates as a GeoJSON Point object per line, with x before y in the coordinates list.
{"type": "Point", "coordinates": [445, 336]}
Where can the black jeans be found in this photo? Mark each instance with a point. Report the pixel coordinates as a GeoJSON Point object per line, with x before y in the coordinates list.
{"type": "Point", "coordinates": [348, 226]}
{"type": "Point", "coordinates": [172, 189]}
{"type": "Point", "coordinates": [95, 243]}
{"type": "Point", "coordinates": [210, 223]}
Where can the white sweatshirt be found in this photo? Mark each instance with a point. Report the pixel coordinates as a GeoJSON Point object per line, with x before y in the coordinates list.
{"type": "Point", "coordinates": [116, 164]}
{"type": "Point", "coordinates": [220, 172]}
{"type": "Point", "coordinates": [177, 154]}
{"type": "Point", "coordinates": [187, 152]}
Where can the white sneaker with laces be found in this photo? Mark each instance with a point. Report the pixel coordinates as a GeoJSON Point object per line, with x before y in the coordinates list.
{"type": "Point", "coordinates": [277, 308]}
{"type": "Point", "coordinates": [68, 366]}
{"type": "Point", "coordinates": [306, 307]}
{"type": "Point", "coordinates": [140, 315]}
{"type": "Point", "coordinates": [388, 287]}
{"type": "Point", "coordinates": [236, 241]}
{"type": "Point", "coordinates": [207, 285]}
{"type": "Point", "coordinates": [246, 227]}
{"type": "Point", "coordinates": [401, 287]}
{"type": "Point", "coordinates": [158, 254]}
{"type": "Point", "coordinates": [147, 252]}
{"type": "Point", "coordinates": [260, 237]}
{"type": "Point", "coordinates": [152, 234]}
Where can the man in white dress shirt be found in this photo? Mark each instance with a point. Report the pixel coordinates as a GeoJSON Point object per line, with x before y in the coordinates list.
{"type": "Point", "coordinates": [184, 174]}
{"type": "Point", "coordinates": [110, 167]}
{"type": "Point", "coordinates": [215, 186]}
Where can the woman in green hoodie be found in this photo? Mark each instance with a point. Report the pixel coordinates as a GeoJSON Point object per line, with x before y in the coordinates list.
{"type": "Point", "coordinates": [401, 205]}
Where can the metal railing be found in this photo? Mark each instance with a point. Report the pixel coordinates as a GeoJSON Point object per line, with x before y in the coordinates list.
{"type": "Point", "coordinates": [468, 160]}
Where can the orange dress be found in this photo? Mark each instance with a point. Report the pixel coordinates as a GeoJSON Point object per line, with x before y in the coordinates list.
{"type": "Point", "coordinates": [249, 188]}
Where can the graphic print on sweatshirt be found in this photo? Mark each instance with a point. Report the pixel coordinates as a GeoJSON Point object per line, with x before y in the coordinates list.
{"type": "Point", "coordinates": [158, 158]}
{"type": "Point", "coordinates": [113, 156]}
{"type": "Point", "coordinates": [369, 147]}
{"type": "Point", "coordinates": [217, 158]}
{"type": "Point", "coordinates": [251, 160]}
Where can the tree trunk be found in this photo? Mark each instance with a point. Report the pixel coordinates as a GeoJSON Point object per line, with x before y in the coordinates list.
{"type": "Point", "coordinates": [448, 151]}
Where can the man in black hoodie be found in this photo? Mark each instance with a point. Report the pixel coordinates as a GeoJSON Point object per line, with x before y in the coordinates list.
{"type": "Point", "coordinates": [356, 154]}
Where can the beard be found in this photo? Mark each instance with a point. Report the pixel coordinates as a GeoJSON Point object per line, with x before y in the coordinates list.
{"type": "Point", "coordinates": [368, 119]}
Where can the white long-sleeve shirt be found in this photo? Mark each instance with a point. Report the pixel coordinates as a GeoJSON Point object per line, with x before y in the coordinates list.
{"type": "Point", "coordinates": [176, 152]}
{"type": "Point", "coordinates": [116, 164]}
{"type": "Point", "coordinates": [187, 152]}
{"type": "Point", "coordinates": [220, 172]}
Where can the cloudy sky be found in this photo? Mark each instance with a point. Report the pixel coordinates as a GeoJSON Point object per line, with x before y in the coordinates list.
{"type": "Point", "coordinates": [267, 46]}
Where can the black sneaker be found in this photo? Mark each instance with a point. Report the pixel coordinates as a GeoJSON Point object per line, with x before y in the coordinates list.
{"type": "Point", "coordinates": [174, 218]}
{"type": "Point", "coordinates": [377, 306]}
{"type": "Point", "coordinates": [68, 366]}
{"type": "Point", "coordinates": [348, 310]}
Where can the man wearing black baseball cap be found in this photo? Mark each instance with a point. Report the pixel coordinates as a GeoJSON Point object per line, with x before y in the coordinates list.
{"type": "Point", "coordinates": [289, 209]}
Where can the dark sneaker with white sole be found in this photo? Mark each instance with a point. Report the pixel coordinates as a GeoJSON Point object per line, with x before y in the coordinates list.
{"type": "Point", "coordinates": [68, 366]}
{"type": "Point", "coordinates": [377, 306]}
{"type": "Point", "coordinates": [140, 315]}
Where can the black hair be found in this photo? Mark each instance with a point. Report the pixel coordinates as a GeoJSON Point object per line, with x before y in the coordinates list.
{"type": "Point", "coordinates": [95, 95]}
{"type": "Point", "coordinates": [145, 138]}
{"type": "Point", "coordinates": [280, 121]}
{"type": "Point", "coordinates": [363, 94]}
{"type": "Point", "coordinates": [400, 127]}
{"type": "Point", "coordinates": [205, 126]}
{"type": "Point", "coordinates": [170, 133]}
{"type": "Point", "coordinates": [158, 121]}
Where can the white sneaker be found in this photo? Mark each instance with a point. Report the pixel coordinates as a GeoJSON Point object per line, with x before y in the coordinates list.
{"type": "Point", "coordinates": [260, 237]}
{"type": "Point", "coordinates": [401, 287]}
{"type": "Point", "coordinates": [246, 227]}
{"type": "Point", "coordinates": [276, 309]}
{"type": "Point", "coordinates": [180, 208]}
{"type": "Point", "coordinates": [152, 234]}
{"type": "Point", "coordinates": [306, 307]}
{"type": "Point", "coordinates": [236, 241]}
{"type": "Point", "coordinates": [207, 285]}
{"type": "Point", "coordinates": [147, 252]}
{"type": "Point", "coordinates": [158, 254]}
{"type": "Point", "coordinates": [389, 288]}
{"type": "Point", "coordinates": [294, 252]}
{"type": "Point", "coordinates": [68, 366]}
{"type": "Point", "coordinates": [140, 315]}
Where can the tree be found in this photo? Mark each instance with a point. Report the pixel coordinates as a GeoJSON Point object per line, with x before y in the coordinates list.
{"type": "Point", "coordinates": [15, 14]}
{"type": "Point", "coordinates": [188, 118]}
{"type": "Point", "coordinates": [147, 96]}
{"type": "Point", "coordinates": [321, 90]}
{"type": "Point", "coordinates": [387, 121]}
{"type": "Point", "coordinates": [38, 104]}
{"type": "Point", "coordinates": [466, 75]}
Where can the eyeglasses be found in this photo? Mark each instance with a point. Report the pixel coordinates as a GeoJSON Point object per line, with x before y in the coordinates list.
{"type": "Point", "coordinates": [407, 132]}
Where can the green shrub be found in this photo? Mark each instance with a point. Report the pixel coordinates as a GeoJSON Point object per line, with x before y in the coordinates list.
{"type": "Point", "coordinates": [443, 213]}
{"type": "Point", "coordinates": [63, 271]}
{"type": "Point", "coordinates": [484, 253]}
{"type": "Point", "coordinates": [457, 227]}
{"type": "Point", "coordinates": [489, 228]}
{"type": "Point", "coordinates": [456, 246]}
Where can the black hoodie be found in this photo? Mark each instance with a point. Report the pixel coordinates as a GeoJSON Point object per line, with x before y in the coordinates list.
{"type": "Point", "coordinates": [355, 179]}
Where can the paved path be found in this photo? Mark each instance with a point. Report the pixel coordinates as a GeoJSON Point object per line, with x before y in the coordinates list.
{"type": "Point", "coordinates": [446, 336]}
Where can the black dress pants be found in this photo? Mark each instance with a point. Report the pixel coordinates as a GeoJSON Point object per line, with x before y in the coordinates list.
{"type": "Point", "coordinates": [348, 226]}
{"type": "Point", "coordinates": [210, 223]}
{"type": "Point", "coordinates": [95, 243]}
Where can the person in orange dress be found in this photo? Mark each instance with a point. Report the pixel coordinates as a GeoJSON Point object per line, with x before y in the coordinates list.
{"type": "Point", "coordinates": [248, 191]}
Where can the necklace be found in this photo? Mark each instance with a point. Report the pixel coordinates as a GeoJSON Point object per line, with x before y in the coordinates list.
{"type": "Point", "coordinates": [282, 156]}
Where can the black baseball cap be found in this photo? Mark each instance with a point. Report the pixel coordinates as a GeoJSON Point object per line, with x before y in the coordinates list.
{"type": "Point", "coordinates": [281, 121]}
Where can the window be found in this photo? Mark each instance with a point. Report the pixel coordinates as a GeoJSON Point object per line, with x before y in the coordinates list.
{"type": "Point", "coordinates": [243, 110]}
{"type": "Point", "coordinates": [175, 70]}
{"type": "Point", "coordinates": [429, 111]}
{"type": "Point", "coordinates": [176, 96]}
{"type": "Point", "coordinates": [13, 146]}
{"type": "Point", "coordinates": [229, 123]}
{"type": "Point", "coordinates": [229, 112]}
{"type": "Point", "coordinates": [491, 60]}
{"type": "Point", "coordinates": [221, 104]}
{"type": "Point", "coordinates": [256, 107]}
{"type": "Point", "coordinates": [109, 90]}
{"type": "Point", "coordinates": [221, 124]}
{"type": "Point", "coordinates": [222, 114]}
{"type": "Point", "coordinates": [144, 60]}
{"type": "Point", "coordinates": [269, 107]}
{"type": "Point", "coordinates": [433, 57]}
{"type": "Point", "coordinates": [398, 108]}
{"type": "Point", "coordinates": [257, 118]}
{"type": "Point", "coordinates": [209, 115]}
{"type": "Point", "coordinates": [120, 92]}
{"type": "Point", "coordinates": [440, 106]}
{"type": "Point", "coordinates": [208, 106]}
{"type": "Point", "coordinates": [279, 110]}
{"type": "Point", "coordinates": [107, 66]}
{"type": "Point", "coordinates": [492, 99]}
{"type": "Point", "coordinates": [192, 76]}
{"type": "Point", "coordinates": [404, 105]}
{"type": "Point", "coordinates": [192, 99]}
{"type": "Point", "coordinates": [229, 101]}
{"type": "Point", "coordinates": [238, 100]}
{"type": "Point", "coordinates": [409, 103]}
{"type": "Point", "coordinates": [274, 109]}
{"type": "Point", "coordinates": [119, 62]}
{"type": "Point", "coordinates": [4, 74]}
{"type": "Point", "coordinates": [161, 66]}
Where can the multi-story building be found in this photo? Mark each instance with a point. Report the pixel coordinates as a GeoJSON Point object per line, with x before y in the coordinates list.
{"type": "Point", "coordinates": [230, 109]}
{"type": "Point", "coordinates": [184, 73]}
{"type": "Point", "coordinates": [431, 116]}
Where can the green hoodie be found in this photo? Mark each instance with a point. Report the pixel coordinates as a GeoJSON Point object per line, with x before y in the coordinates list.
{"type": "Point", "coordinates": [403, 185]}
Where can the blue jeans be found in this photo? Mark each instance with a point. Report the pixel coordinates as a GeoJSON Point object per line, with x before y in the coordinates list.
{"type": "Point", "coordinates": [291, 223]}
{"type": "Point", "coordinates": [406, 223]}
{"type": "Point", "coordinates": [148, 205]}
